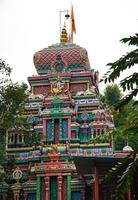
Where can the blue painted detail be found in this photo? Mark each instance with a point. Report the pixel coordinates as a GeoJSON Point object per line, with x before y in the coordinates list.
{"type": "Point", "coordinates": [76, 195]}
{"type": "Point", "coordinates": [81, 136]}
{"type": "Point", "coordinates": [81, 150]}
{"type": "Point", "coordinates": [74, 128]}
{"type": "Point", "coordinates": [49, 129]}
{"type": "Point", "coordinates": [30, 119]}
{"type": "Point", "coordinates": [65, 128]}
{"type": "Point", "coordinates": [96, 150]}
{"type": "Point", "coordinates": [31, 196]}
{"type": "Point", "coordinates": [84, 116]}
{"type": "Point", "coordinates": [89, 136]}
{"type": "Point", "coordinates": [38, 130]}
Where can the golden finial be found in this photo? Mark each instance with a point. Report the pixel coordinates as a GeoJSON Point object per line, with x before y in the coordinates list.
{"type": "Point", "coordinates": [64, 37]}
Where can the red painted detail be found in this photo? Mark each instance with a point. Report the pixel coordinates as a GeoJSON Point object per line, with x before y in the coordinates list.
{"type": "Point", "coordinates": [43, 186]}
{"type": "Point", "coordinates": [71, 56]}
{"type": "Point", "coordinates": [63, 74]}
{"type": "Point", "coordinates": [47, 187]}
{"type": "Point", "coordinates": [53, 157]}
{"type": "Point", "coordinates": [64, 189]}
{"type": "Point", "coordinates": [44, 90]}
{"type": "Point", "coordinates": [96, 185]}
{"type": "Point", "coordinates": [59, 187]}
{"type": "Point", "coordinates": [78, 87]}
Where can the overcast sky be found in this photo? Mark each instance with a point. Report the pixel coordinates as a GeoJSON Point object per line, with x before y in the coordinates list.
{"type": "Point", "coordinates": [27, 26]}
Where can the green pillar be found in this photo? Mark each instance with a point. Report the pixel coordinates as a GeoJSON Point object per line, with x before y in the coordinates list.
{"type": "Point", "coordinates": [68, 187]}
{"type": "Point", "coordinates": [38, 188]}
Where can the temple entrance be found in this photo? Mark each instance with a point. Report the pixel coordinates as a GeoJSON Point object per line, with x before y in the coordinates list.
{"type": "Point", "coordinates": [53, 188]}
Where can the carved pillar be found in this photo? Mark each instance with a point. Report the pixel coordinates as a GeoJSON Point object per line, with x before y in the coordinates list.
{"type": "Point", "coordinates": [129, 195]}
{"type": "Point", "coordinates": [68, 187]}
{"type": "Point", "coordinates": [88, 86]}
{"type": "Point", "coordinates": [92, 130]}
{"type": "Point", "coordinates": [18, 141]}
{"type": "Point", "coordinates": [67, 85]}
{"type": "Point", "coordinates": [16, 187]}
{"type": "Point", "coordinates": [16, 190]}
{"type": "Point", "coordinates": [96, 185]}
{"type": "Point", "coordinates": [38, 188]}
{"type": "Point", "coordinates": [44, 128]}
{"type": "Point", "coordinates": [25, 195]}
{"type": "Point", "coordinates": [59, 187]}
{"type": "Point", "coordinates": [69, 127]}
{"type": "Point", "coordinates": [60, 129]}
{"type": "Point", "coordinates": [52, 129]}
{"type": "Point", "coordinates": [77, 131]}
{"type": "Point", "coordinates": [83, 194]}
{"type": "Point", "coordinates": [47, 188]}
{"type": "Point", "coordinates": [22, 138]}
{"type": "Point", "coordinates": [32, 89]}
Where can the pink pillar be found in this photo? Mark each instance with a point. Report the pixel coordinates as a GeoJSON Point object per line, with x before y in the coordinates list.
{"type": "Point", "coordinates": [96, 185]}
{"type": "Point", "coordinates": [129, 195]}
{"type": "Point", "coordinates": [47, 187]}
{"type": "Point", "coordinates": [44, 128]}
{"type": "Point", "coordinates": [59, 187]}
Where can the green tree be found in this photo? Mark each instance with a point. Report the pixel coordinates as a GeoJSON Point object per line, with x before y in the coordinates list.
{"type": "Point", "coordinates": [126, 122]}
{"type": "Point", "coordinates": [12, 99]}
{"type": "Point", "coordinates": [127, 61]}
{"type": "Point", "coordinates": [5, 72]}
{"type": "Point", "coordinates": [112, 95]}
{"type": "Point", "coordinates": [124, 172]}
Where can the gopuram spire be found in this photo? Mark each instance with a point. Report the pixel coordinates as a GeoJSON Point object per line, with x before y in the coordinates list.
{"type": "Point", "coordinates": [64, 37]}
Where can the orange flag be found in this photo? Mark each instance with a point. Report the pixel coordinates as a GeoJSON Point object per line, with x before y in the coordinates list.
{"type": "Point", "coordinates": [73, 27]}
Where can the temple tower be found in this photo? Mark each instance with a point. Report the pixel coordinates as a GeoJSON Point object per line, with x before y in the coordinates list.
{"type": "Point", "coordinates": [65, 110]}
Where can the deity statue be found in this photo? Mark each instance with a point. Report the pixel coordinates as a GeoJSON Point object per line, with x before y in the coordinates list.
{"type": "Point", "coordinates": [57, 87]}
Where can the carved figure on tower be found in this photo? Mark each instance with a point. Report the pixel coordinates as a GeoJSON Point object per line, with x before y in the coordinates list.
{"type": "Point", "coordinates": [58, 86]}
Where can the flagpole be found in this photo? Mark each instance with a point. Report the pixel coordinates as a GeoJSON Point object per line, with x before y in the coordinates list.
{"type": "Point", "coordinates": [66, 16]}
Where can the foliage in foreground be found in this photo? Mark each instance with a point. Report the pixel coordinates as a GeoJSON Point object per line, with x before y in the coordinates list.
{"type": "Point", "coordinates": [127, 61]}
{"type": "Point", "coordinates": [12, 99]}
{"type": "Point", "coordinates": [123, 173]}
{"type": "Point", "coordinates": [126, 122]}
